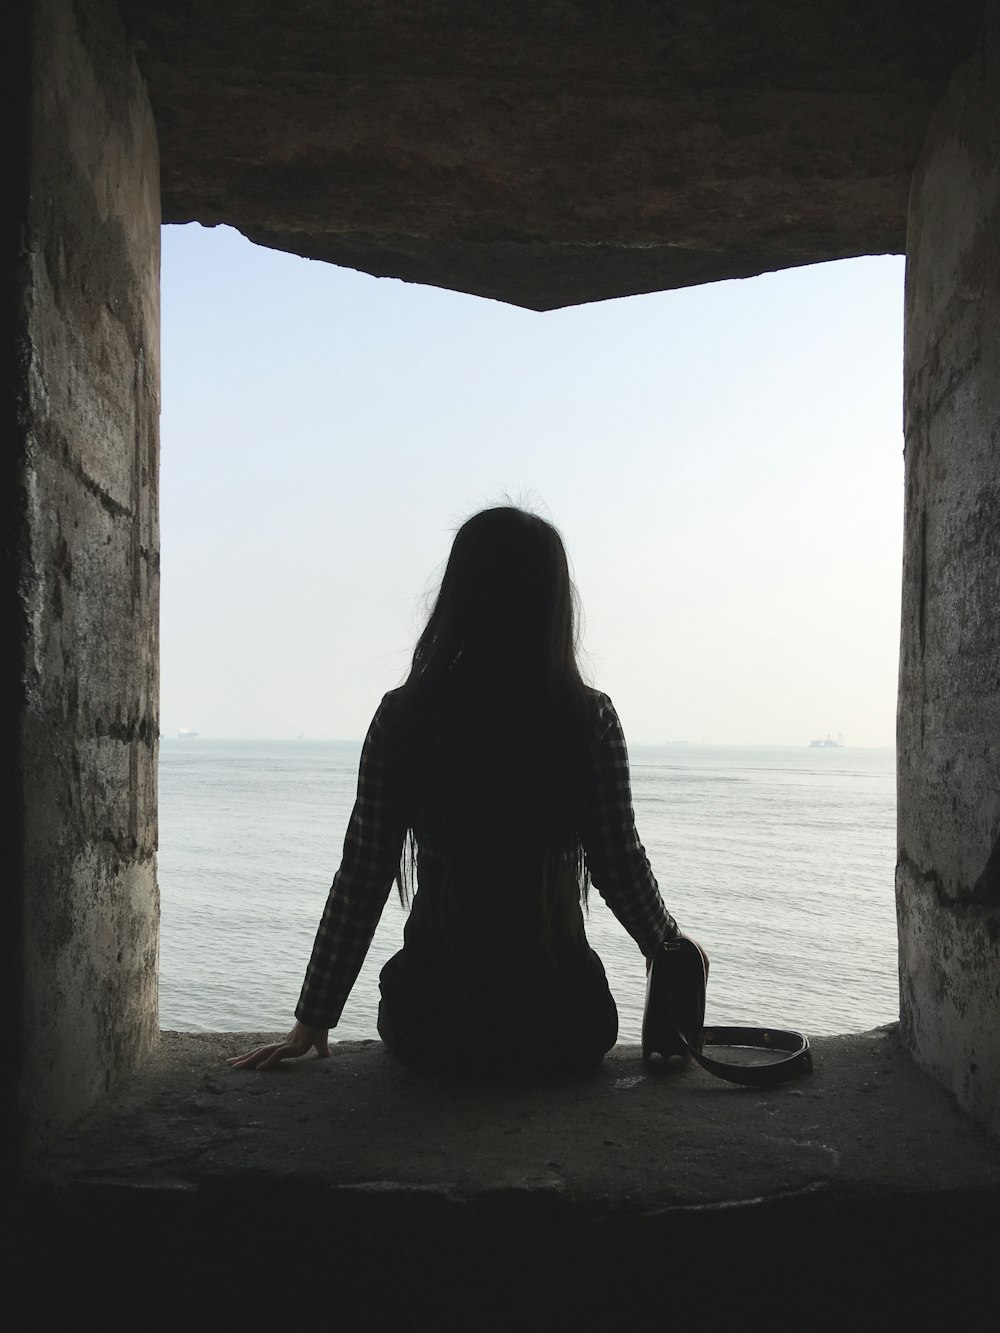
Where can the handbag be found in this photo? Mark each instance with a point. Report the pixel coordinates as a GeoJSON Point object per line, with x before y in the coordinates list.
{"type": "Point", "coordinates": [673, 1023]}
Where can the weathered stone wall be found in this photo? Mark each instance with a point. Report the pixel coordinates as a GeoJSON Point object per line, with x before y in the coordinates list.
{"type": "Point", "coordinates": [548, 152]}
{"type": "Point", "coordinates": [81, 394]}
{"type": "Point", "coordinates": [948, 876]}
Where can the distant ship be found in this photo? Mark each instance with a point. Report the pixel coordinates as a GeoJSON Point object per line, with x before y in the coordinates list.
{"type": "Point", "coordinates": [828, 743]}
{"type": "Point", "coordinates": [186, 733]}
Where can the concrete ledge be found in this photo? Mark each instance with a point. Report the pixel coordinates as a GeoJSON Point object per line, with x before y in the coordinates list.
{"type": "Point", "coordinates": [618, 1193]}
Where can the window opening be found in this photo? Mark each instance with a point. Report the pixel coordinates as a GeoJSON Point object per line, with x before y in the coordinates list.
{"type": "Point", "coordinates": [725, 465]}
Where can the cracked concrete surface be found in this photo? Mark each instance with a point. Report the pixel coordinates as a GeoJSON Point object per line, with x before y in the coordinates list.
{"type": "Point", "coordinates": [549, 153]}
{"type": "Point", "coordinates": [865, 1122]}
{"type": "Point", "coordinates": [358, 1191]}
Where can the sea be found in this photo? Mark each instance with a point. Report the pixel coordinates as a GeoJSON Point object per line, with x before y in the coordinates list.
{"type": "Point", "coordinates": [779, 861]}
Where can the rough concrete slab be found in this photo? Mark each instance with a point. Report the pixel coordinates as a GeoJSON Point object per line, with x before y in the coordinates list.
{"type": "Point", "coordinates": [357, 1190]}
{"type": "Point", "coordinates": [867, 1121]}
{"type": "Point", "coordinates": [548, 152]}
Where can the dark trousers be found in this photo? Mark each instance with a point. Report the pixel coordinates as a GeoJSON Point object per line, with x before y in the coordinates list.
{"type": "Point", "coordinates": [558, 1020]}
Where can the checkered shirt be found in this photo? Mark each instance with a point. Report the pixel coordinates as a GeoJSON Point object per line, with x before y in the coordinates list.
{"type": "Point", "coordinates": [616, 860]}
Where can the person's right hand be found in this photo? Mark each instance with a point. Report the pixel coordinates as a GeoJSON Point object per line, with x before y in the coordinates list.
{"type": "Point", "coordinates": [299, 1042]}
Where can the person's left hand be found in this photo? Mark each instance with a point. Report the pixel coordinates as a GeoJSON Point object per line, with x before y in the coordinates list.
{"type": "Point", "coordinates": [299, 1041]}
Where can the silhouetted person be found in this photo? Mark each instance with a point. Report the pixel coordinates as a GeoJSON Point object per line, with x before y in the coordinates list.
{"type": "Point", "coordinates": [500, 781]}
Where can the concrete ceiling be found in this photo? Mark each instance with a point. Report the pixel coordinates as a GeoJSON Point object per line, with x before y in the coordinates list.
{"type": "Point", "coordinates": [549, 152]}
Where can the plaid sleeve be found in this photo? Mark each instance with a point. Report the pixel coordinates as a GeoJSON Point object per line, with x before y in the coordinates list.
{"type": "Point", "coordinates": [616, 859]}
{"type": "Point", "coordinates": [360, 887]}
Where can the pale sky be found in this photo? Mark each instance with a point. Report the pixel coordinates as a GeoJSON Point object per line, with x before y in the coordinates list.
{"type": "Point", "coordinates": [724, 463]}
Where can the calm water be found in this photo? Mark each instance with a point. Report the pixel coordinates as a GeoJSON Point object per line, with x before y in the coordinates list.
{"type": "Point", "coordinates": [779, 861]}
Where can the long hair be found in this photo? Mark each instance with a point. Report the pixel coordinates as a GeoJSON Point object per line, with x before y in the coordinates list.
{"type": "Point", "coordinates": [497, 719]}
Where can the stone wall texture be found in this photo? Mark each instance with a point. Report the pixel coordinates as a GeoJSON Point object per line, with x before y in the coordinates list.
{"type": "Point", "coordinates": [948, 875]}
{"type": "Point", "coordinates": [82, 567]}
{"type": "Point", "coordinates": [549, 152]}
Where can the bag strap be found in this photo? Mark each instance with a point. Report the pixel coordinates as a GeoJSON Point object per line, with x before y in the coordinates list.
{"type": "Point", "coordinates": [680, 1009]}
{"type": "Point", "coordinates": [797, 1062]}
